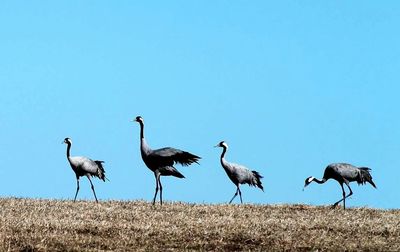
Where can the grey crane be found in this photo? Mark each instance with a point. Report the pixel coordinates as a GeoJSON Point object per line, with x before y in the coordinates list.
{"type": "Point", "coordinates": [83, 166]}
{"type": "Point", "coordinates": [344, 174]}
{"type": "Point", "coordinates": [161, 161]}
{"type": "Point", "coordinates": [239, 174]}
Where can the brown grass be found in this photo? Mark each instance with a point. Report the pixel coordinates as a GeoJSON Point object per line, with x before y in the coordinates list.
{"type": "Point", "coordinates": [54, 225]}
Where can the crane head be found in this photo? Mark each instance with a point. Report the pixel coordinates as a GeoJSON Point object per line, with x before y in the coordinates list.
{"type": "Point", "coordinates": [308, 181]}
{"type": "Point", "coordinates": [67, 140]}
{"type": "Point", "coordinates": [222, 144]}
{"type": "Point", "coordinates": [138, 119]}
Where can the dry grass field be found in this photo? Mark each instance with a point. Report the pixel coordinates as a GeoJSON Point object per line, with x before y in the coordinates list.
{"type": "Point", "coordinates": [54, 225]}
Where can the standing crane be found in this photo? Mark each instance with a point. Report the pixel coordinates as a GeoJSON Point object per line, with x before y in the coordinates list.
{"type": "Point", "coordinates": [161, 161]}
{"type": "Point", "coordinates": [239, 174]}
{"type": "Point", "coordinates": [84, 166]}
{"type": "Point", "coordinates": [344, 174]}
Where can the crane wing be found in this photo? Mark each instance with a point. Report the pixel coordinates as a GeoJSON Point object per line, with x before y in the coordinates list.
{"type": "Point", "coordinates": [350, 173]}
{"type": "Point", "coordinates": [241, 172]}
{"type": "Point", "coordinates": [85, 164]}
{"type": "Point", "coordinates": [244, 176]}
{"type": "Point", "coordinates": [346, 171]}
{"type": "Point", "coordinates": [168, 156]}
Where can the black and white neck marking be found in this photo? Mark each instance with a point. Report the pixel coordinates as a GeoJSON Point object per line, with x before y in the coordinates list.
{"type": "Point", "coordinates": [68, 141]}
{"type": "Point", "coordinates": [224, 146]}
{"type": "Point", "coordinates": [140, 120]}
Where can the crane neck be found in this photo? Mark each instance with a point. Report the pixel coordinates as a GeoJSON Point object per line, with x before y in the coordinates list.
{"type": "Point", "coordinates": [141, 130]}
{"type": "Point", "coordinates": [224, 163]}
{"type": "Point", "coordinates": [319, 181]}
{"type": "Point", "coordinates": [223, 152]}
{"type": "Point", "coordinates": [68, 150]}
{"type": "Point", "coordinates": [144, 147]}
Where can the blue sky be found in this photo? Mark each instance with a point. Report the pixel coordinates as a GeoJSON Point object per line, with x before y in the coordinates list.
{"type": "Point", "coordinates": [291, 86]}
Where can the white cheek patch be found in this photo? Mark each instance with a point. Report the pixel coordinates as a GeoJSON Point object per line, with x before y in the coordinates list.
{"type": "Point", "coordinates": [310, 179]}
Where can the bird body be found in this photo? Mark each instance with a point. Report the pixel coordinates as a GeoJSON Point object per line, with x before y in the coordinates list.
{"type": "Point", "coordinates": [344, 173]}
{"type": "Point", "coordinates": [239, 174]}
{"type": "Point", "coordinates": [83, 166]}
{"type": "Point", "coordinates": [161, 161]}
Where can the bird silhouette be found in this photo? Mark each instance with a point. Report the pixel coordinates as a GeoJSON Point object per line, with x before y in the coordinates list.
{"type": "Point", "coordinates": [239, 174]}
{"type": "Point", "coordinates": [83, 166]}
{"type": "Point", "coordinates": [161, 161]}
{"type": "Point", "coordinates": [344, 174]}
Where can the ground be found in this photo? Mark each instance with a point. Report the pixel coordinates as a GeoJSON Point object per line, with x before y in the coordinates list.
{"type": "Point", "coordinates": [60, 225]}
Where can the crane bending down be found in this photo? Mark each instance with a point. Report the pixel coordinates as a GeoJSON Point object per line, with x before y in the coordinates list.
{"type": "Point", "coordinates": [161, 161]}
{"type": "Point", "coordinates": [83, 166]}
{"type": "Point", "coordinates": [239, 174]}
{"type": "Point", "coordinates": [344, 174]}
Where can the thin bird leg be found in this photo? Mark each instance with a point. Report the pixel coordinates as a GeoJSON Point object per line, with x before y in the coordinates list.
{"type": "Point", "coordinates": [344, 194]}
{"type": "Point", "coordinates": [155, 195]}
{"type": "Point", "coordinates": [237, 190]}
{"type": "Point", "coordinates": [159, 181]}
{"type": "Point", "coordinates": [88, 176]}
{"type": "Point", "coordinates": [240, 194]}
{"type": "Point", "coordinates": [344, 197]}
{"type": "Point", "coordinates": [77, 188]}
{"type": "Point", "coordinates": [351, 193]}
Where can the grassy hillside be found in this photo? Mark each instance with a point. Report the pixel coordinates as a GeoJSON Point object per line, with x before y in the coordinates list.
{"type": "Point", "coordinates": [28, 224]}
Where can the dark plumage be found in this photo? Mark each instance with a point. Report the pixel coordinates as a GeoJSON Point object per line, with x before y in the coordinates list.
{"type": "Point", "coordinates": [344, 174]}
{"type": "Point", "coordinates": [83, 166]}
{"type": "Point", "coordinates": [239, 174]}
{"type": "Point", "coordinates": [161, 161]}
{"type": "Point", "coordinates": [101, 173]}
{"type": "Point", "coordinates": [169, 156]}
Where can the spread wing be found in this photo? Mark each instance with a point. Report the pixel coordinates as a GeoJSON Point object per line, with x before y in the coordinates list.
{"type": "Point", "coordinates": [168, 156]}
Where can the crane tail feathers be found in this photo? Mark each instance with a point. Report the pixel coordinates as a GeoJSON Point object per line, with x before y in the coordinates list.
{"type": "Point", "coordinates": [170, 171]}
{"type": "Point", "coordinates": [179, 175]}
{"type": "Point", "coordinates": [101, 173]}
{"type": "Point", "coordinates": [257, 178]}
{"type": "Point", "coordinates": [365, 176]}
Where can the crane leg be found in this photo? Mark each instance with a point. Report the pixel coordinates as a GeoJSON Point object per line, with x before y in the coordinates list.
{"type": "Point", "coordinates": [91, 184]}
{"type": "Point", "coordinates": [240, 195]}
{"type": "Point", "coordinates": [344, 196]}
{"type": "Point", "coordinates": [351, 193]}
{"type": "Point", "coordinates": [155, 194]}
{"type": "Point", "coordinates": [77, 188]}
{"type": "Point", "coordinates": [236, 193]}
{"type": "Point", "coordinates": [159, 181]}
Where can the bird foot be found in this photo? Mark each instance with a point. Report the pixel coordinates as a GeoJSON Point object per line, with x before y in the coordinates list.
{"type": "Point", "coordinates": [334, 205]}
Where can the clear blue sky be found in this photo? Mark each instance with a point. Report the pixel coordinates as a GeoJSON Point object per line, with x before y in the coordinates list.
{"type": "Point", "coordinates": [291, 86]}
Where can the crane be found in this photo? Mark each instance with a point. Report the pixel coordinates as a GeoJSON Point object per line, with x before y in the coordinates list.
{"type": "Point", "coordinates": [83, 166]}
{"type": "Point", "coordinates": [161, 161]}
{"type": "Point", "coordinates": [239, 174]}
{"type": "Point", "coordinates": [344, 174]}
